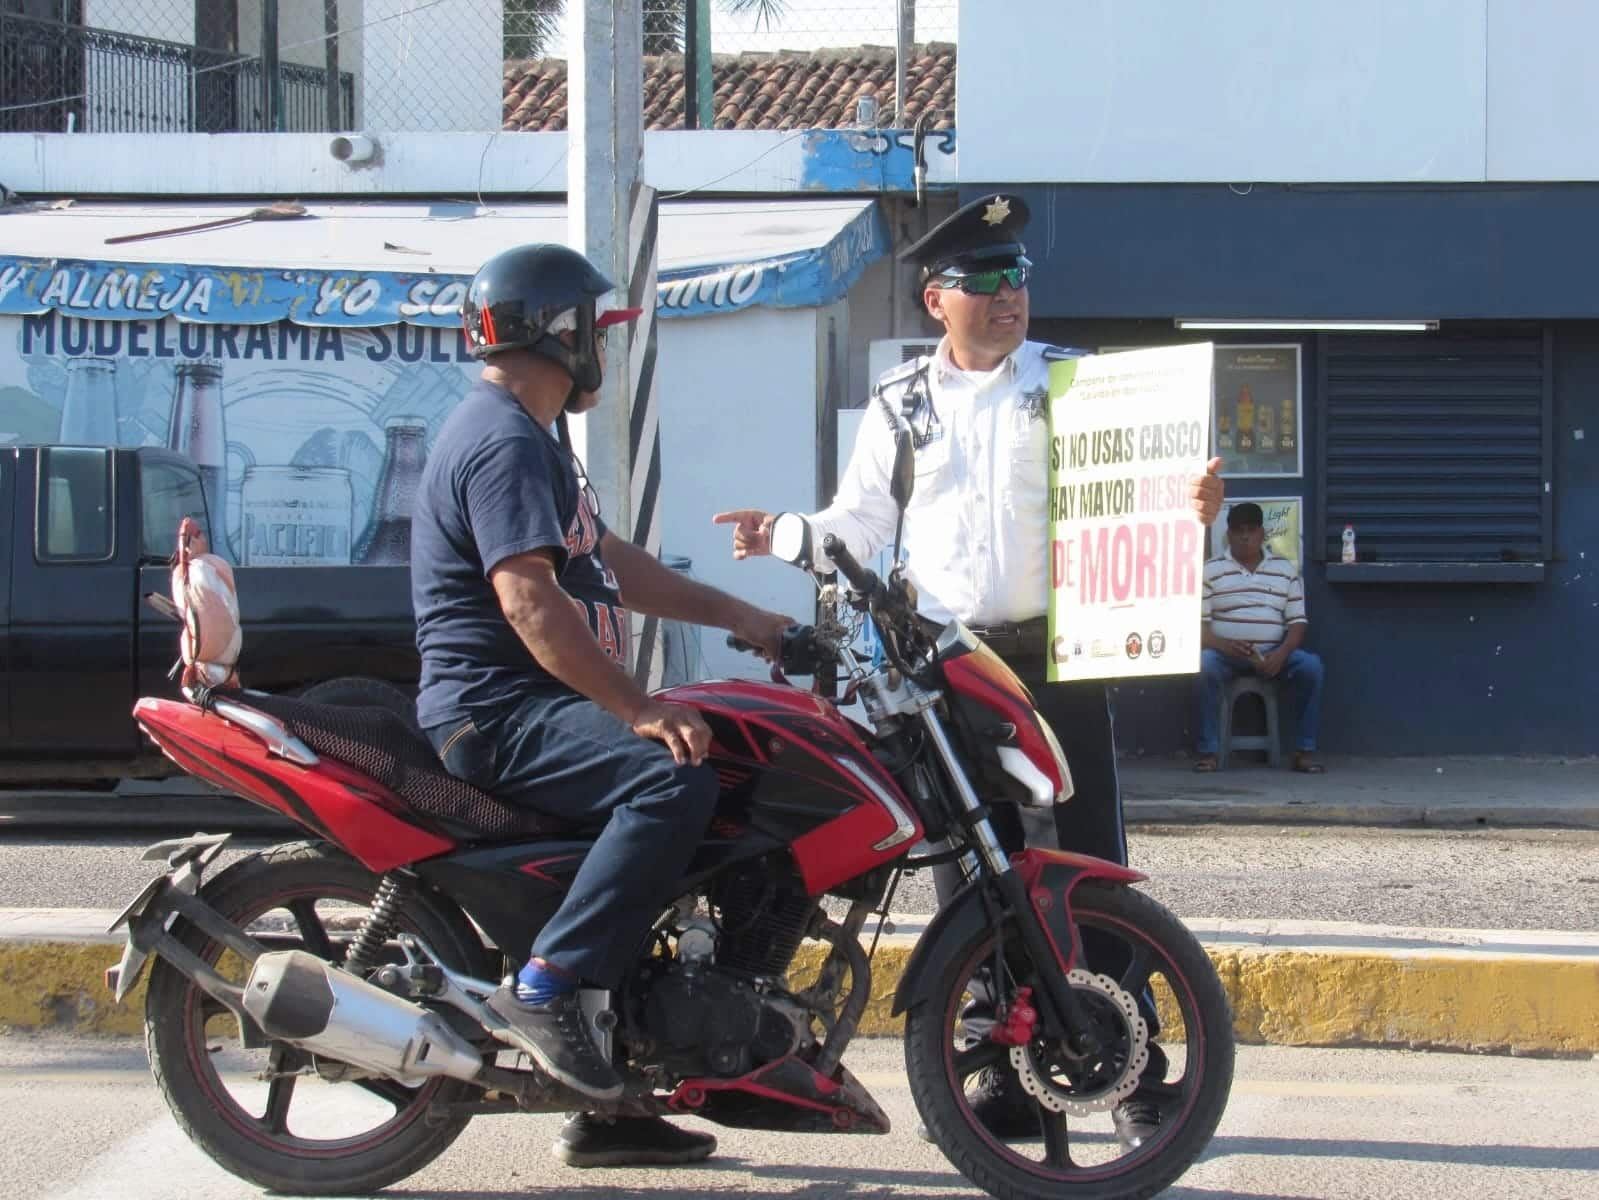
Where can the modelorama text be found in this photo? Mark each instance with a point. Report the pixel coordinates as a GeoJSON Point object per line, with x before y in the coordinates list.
{"type": "Point", "coordinates": [1142, 560]}
{"type": "Point", "coordinates": [75, 337]}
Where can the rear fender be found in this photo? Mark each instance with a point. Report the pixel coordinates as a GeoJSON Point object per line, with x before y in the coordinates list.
{"type": "Point", "coordinates": [1048, 876]}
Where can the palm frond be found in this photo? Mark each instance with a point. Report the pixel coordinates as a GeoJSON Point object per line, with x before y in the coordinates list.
{"type": "Point", "coordinates": [531, 26]}
{"type": "Point", "coordinates": [767, 12]}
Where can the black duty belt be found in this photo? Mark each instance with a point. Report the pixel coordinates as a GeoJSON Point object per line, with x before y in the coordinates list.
{"type": "Point", "coordinates": [1014, 639]}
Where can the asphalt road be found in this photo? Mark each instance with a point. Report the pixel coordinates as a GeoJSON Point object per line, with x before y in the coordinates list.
{"type": "Point", "coordinates": [1475, 879]}
{"type": "Point", "coordinates": [81, 1120]}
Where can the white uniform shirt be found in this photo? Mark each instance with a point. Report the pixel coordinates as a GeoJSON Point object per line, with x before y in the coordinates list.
{"type": "Point", "coordinates": [977, 528]}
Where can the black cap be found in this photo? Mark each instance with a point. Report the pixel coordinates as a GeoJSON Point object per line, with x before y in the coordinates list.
{"type": "Point", "coordinates": [1245, 516]}
{"type": "Point", "coordinates": [985, 233]}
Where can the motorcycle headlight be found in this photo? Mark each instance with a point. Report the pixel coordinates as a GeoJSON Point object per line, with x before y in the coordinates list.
{"type": "Point", "coordinates": [1067, 788]}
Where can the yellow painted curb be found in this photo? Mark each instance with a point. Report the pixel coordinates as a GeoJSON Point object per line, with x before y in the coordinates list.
{"type": "Point", "coordinates": [60, 986]}
{"type": "Point", "coordinates": [1527, 1004]}
{"type": "Point", "coordinates": [1522, 1003]}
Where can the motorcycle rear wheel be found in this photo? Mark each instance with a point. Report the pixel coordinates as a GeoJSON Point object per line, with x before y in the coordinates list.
{"type": "Point", "coordinates": [301, 896]}
{"type": "Point", "coordinates": [1071, 1157]}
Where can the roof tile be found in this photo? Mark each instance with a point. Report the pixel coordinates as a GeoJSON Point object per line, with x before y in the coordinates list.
{"type": "Point", "coordinates": [783, 90]}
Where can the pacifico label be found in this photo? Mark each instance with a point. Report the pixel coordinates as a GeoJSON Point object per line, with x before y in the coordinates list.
{"type": "Point", "coordinates": [296, 516]}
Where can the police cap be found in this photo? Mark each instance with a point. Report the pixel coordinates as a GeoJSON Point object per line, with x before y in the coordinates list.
{"type": "Point", "coordinates": [977, 236]}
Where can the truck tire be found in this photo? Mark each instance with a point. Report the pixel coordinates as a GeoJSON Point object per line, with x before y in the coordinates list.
{"type": "Point", "coordinates": [360, 691]}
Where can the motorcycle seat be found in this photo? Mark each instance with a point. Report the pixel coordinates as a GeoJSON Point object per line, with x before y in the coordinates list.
{"type": "Point", "coordinates": [384, 746]}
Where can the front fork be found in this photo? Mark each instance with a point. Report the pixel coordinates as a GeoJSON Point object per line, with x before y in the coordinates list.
{"type": "Point", "coordinates": [1060, 1010]}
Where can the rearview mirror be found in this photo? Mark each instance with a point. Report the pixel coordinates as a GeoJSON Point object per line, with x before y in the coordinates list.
{"type": "Point", "coordinates": [903, 481]}
{"type": "Point", "coordinates": [791, 539]}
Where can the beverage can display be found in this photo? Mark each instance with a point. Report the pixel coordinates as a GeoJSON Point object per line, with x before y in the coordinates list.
{"type": "Point", "coordinates": [296, 516]}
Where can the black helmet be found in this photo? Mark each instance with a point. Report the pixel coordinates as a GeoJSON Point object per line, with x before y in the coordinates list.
{"type": "Point", "coordinates": [517, 297]}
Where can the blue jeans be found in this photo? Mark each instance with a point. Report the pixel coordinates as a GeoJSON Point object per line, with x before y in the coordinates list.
{"type": "Point", "coordinates": [1302, 673]}
{"type": "Point", "coordinates": [561, 753]}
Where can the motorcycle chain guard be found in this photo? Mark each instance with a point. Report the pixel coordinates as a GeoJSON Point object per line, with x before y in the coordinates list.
{"type": "Point", "coordinates": [787, 1096]}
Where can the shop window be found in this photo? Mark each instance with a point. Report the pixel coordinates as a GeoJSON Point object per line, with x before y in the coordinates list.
{"type": "Point", "coordinates": [171, 492]}
{"type": "Point", "coordinates": [74, 505]}
{"type": "Point", "coordinates": [1436, 449]}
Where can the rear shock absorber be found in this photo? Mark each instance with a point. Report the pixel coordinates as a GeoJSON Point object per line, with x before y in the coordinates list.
{"type": "Point", "coordinates": [381, 923]}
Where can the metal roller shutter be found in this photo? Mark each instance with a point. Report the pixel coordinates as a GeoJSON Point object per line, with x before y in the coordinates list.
{"type": "Point", "coordinates": [1435, 447]}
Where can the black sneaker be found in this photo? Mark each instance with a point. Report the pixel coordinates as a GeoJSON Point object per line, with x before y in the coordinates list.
{"type": "Point", "coordinates": [589, 1141]}
{"type": "Point", "coordinates": [556, 1035]}
{"type": "Point", "coordinates": [1137, 1118]}
{"type": "Point", "coordinates": [1001, 1106]}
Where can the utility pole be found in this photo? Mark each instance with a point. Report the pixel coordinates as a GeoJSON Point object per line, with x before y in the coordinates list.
{"type": "Point", "coordinates": [699, 98]}
{"type": "Point", "coordinates": [330, 59]}
{"type": "Point", "coordinates": [271, 75]}
{"type": "Point", "coordinates": [612, 218]}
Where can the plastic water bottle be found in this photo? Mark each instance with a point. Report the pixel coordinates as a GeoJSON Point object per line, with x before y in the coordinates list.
{"type": "Point", "coordinates": [1349, 543]}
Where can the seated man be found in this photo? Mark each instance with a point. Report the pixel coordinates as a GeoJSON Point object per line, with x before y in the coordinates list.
{"type": "Point", "coordinates": [518, 589]}
{"type": "Point", "coordinates": [1253, 623]}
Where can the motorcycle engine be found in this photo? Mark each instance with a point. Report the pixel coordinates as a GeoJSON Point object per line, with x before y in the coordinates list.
{"type": "Point", "coordinates": [715, 1007]}
{"type": "Point", "coordinates": [702, 1020]}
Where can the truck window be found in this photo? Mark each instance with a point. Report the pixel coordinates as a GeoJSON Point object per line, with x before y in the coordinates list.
{"type": "Point", "coordinates": [170, 493]}
{"type": "Point", "coordinates": [73, 522]}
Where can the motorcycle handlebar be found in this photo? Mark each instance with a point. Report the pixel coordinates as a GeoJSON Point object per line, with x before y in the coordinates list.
{"type": "Point", "coordinates": [861, 579]}
{"type": "Point", "coordinates": [802, 653]}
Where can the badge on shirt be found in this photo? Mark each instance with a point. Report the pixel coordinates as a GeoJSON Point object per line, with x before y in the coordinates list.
{"type": "Point", "coordinates": [1035, 403]}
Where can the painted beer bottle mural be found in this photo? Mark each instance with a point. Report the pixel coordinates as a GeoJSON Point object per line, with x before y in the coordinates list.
{"type": "Point", "coordinates": [196, 428]}
{"type": "Point", "coordinates": [387, 537]}
{"type": "Point", "coordinates": [89, 407]}
{"type": "Point", "coordinates": [296, 516]}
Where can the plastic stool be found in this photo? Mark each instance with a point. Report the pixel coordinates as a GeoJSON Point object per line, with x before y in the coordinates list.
{"type": "Point", "coordinates": [1266, 689]}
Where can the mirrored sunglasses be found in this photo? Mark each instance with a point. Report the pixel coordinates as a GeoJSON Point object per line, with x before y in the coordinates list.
{"type": "Point", "coordinates": [985, 283]}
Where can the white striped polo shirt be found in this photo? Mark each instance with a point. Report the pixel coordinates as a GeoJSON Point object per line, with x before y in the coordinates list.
{"type": "Point", "coordinates": [1252, 606]}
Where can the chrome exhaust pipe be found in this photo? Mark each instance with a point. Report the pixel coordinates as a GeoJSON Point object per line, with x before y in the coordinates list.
{"type": "Point", "coordinates": [297, 998]}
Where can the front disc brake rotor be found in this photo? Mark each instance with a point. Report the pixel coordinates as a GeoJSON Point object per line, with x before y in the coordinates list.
{"type": "Point", "coordinates": [1079, 1091]}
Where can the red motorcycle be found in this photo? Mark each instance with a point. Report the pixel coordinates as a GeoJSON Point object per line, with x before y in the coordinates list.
{"type": "Point", "coordinates": [315, 1013]}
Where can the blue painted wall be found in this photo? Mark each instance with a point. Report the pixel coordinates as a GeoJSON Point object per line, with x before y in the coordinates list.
{"type": "Point", "coordinates": [1441, 668]}
{"type": "Point", "coordinates": [1271, 250]}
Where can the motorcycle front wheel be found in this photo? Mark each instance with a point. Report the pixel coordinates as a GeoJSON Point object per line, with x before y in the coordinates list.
{"type": "Point", "coordinates": [279, 1117]}
{"type": "Point", "coordinates": [1074, 1151]}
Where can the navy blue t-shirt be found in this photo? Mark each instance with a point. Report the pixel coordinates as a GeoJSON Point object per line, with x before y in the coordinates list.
{"type": "Point", "coordinates": [497, 484]}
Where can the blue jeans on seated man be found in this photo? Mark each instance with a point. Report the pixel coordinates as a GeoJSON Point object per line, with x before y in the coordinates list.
{"type": "Point", "coordinates": [1302, 673]}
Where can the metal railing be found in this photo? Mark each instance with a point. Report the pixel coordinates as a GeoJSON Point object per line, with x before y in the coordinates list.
{"type": "Point", "coordinates": [57, 78]}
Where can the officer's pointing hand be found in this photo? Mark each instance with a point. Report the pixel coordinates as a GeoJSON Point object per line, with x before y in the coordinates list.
{"type": "Point", "coordinates": [752, 530]}
{"type": "Point", "coordinates": [1206, 492]}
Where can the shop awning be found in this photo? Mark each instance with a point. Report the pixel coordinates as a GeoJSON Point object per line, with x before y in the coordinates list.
{"type": "Point", "coordinates": [367, 264]}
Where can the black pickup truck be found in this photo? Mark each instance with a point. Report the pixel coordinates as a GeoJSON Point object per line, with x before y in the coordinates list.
{"type": "Point", "coordinates": [85, 533]}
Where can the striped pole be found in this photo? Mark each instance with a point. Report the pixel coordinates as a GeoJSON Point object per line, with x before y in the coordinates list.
{"type": "Point", "coordinates": [611, 215]}
{"type": "Point", "coordinates": [644, 430]}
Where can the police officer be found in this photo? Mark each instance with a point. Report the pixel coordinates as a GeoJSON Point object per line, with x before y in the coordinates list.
{"type": "Point", "coordinates": [976, 530]}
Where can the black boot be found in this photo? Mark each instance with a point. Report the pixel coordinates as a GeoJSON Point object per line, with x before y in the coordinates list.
{"type": "Point", "coordinates": [589, 1141]}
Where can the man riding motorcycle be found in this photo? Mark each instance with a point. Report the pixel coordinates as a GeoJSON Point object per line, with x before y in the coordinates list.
{"type": "Point", "coordinates": [519, 591]}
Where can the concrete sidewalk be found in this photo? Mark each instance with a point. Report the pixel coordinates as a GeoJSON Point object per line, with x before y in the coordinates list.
{"type": "Point", "coordinates": [1299, 984]}
{"type": "Point", "coordinates": [1441, 792]}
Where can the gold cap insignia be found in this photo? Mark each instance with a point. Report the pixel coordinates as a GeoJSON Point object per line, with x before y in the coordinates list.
{"type": "Point", "coordinates": [998, 209]}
